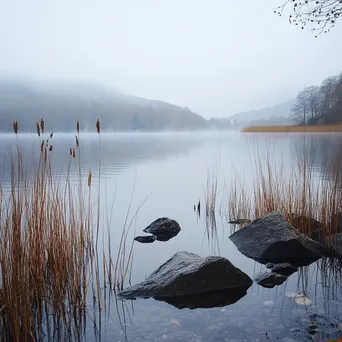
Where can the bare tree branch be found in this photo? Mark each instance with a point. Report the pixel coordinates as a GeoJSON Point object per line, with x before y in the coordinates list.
{"type": "Point", "coordinates": [319, 16]}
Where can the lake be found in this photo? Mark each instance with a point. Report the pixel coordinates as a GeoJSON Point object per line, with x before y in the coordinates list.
{"type": "Point", "coordinates": [166, 174]}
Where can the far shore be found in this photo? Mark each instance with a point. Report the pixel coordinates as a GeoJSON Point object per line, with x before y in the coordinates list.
{"type": "Point", "coordinates": [292, 128]}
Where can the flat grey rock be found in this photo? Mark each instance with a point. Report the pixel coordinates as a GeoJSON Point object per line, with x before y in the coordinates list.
{"type": "Point", "coordinates": [189, 274]}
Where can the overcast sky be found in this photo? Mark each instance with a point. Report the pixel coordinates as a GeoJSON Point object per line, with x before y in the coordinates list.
{"type": "Point", "coordinates": [216, 57]}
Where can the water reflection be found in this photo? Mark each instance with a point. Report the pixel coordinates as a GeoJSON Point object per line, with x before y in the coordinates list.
{"type": "Point", "coordinates": [210, 299]}
{"type": "Point", "coordinates": [116, 152]}
{"type": "Point", "coordinates": [173, 168]}
{"type": "Point", "coordinates": [278, 314]}
{"type": "Point", "coordinates": [322, 151]}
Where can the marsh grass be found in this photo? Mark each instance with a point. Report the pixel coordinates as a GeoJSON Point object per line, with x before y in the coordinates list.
{"type": "Point", "coordinates": [297, 191]}
{"type": "Point", "coordinates": [49, 259]}
{"type": "Point", "coordinates": [239, 204]}
{"type": "Point", "coordinates": [294, 129]}
{"type": "Point", "coordinates": [210, 195]}
{"type": "Point", "coordinates": [211, 192]}
{"type": "Point", "coordinates": [46, 249]}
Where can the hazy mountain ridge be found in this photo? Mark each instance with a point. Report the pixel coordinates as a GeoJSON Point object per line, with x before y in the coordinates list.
{"type": "Point", "coordinates": [62, 104]}
{"type": "Point", "coordinates": [278, 114]}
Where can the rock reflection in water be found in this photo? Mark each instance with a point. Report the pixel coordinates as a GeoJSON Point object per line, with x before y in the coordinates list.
{"type": "Point", "coordinates": [206, 299]}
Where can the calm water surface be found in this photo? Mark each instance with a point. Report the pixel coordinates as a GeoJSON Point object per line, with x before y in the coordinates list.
{"type": "Point", "coordinates": [170, 171]}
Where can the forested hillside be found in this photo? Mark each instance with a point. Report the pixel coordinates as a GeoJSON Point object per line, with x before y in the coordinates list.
{"type": "Point", "coordinates": [62, 104]}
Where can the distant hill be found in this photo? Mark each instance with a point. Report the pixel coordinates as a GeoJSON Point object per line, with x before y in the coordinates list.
{"type": "Point", "coordinates": [61, 104]}
{"type": "Point", "coordinates": [279, 114]}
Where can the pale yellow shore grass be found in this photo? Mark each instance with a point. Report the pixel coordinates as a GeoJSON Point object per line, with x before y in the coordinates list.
{"type": "Point", "coordinates": [292, 129]}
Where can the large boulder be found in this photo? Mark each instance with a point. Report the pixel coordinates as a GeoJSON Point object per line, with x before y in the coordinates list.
{"type": "Point", "coordinates": [272, 239]}
{"type": "Point", "coordinates": [189, 274]}
{"type": "Point", "coordinates": [163, 229]}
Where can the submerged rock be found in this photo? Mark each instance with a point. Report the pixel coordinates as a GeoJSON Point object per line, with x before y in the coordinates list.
{"type": "Point", "coordinates": [163, 229]}
{"type": "Point", "coordinates": [270, 280]}
{"type": "Point", "coordinates": [189, 274]}
{"type": "Point", "coordinates": [303, 301]}
{"type": "Point", "coordinates": [272, 239]}
{"type": "Point", "coordinates": [285, 269]}
{"type": "Point", "coordinates": [145, 239]}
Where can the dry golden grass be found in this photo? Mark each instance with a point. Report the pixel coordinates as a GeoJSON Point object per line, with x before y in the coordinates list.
{"type": "Point", "coordinates": [292, 129]}
{"type": "Point", "coordinates": [46, 247]}
{"type": "Point", "coordinates": [49, 260]}
{"type": "Point", "coordinates": [298, 193]}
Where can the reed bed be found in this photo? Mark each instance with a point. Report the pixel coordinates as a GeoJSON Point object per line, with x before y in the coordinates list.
{"type": "Point", "coordinates": [49, 261]}
{"type": "Point", "coordinates": [293, 129]}
{"type": "Point", "coordinates": [300, 194]}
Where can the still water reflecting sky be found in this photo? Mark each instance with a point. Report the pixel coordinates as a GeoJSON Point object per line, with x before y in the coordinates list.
{"type": "Point", "coordinates": [170, 171]}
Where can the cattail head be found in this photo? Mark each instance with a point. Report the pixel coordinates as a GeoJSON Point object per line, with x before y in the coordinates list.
{"type": "Point", "coordinates": [89, 178]}
{"type": "Point", "coordinates": [50, 148]}
{"type": "Point", "coordinates": [51, 135]}
{"type": "Point", "coordinates": [38, 129]}
{"type": "Point", "coordinates": [73, 153]}
{"type": "Point", "coordinates": [42, 125]}
{"type": "Point", "coordinates": [77, 142]}
{"type": "Point", "coordinates": [70, 151]}
{"type": "Point", "coordinates": [42, 146]}
{"type": "Point", "coordinates": [98, 126]}
{"type": "Point", "coordinates": [15, 126]}
{"type": "Point", "coordinates": [77, 126]}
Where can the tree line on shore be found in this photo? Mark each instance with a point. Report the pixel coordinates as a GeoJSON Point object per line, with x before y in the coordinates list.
{"type": "Point", "coordinates": [319, 104]}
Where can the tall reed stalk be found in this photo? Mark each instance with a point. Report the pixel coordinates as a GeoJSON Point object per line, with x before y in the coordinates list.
{"type": "Point", "coordinates": [47, 247]}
